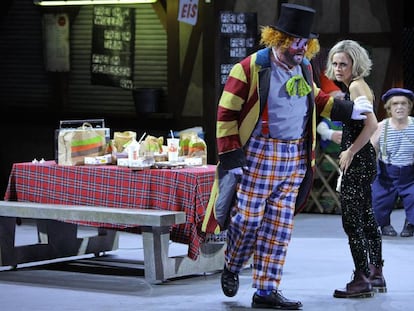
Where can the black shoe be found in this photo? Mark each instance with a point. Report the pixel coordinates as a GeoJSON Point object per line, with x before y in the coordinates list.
{"type": "Point", "coordinates": [275, 301]}
{"type": "Point", "coordinates": [408, 230]}
{"type": "Point", "coordinates": [229, 282]}
{"type": "Point", "coordinates": [388, 231]}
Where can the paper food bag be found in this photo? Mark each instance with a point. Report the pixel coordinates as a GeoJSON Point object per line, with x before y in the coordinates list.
{"type": "Point", "coordinates": [76, 144]}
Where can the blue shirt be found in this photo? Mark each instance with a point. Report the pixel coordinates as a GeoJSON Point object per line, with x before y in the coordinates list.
{"type": "Point", "coordinates": [287, 114]}
{"type": "Point", "coordinates": [398, 149]}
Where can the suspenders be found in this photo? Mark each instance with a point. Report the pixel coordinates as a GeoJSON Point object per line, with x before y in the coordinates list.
{"type": "Point", "coordinates": [265, 121]}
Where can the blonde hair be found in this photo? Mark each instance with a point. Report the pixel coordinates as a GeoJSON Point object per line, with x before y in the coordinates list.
{"type": "Point", "coordinates": [361, 63]}
{"type": "Point", "coordinates": [271, 37]}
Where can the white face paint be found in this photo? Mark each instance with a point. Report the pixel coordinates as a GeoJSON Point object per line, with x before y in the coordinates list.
{"type": "Point", "coordinates": [294, 54]}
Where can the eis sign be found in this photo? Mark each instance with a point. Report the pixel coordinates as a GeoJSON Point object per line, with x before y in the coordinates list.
{"type": "Point", "coordinates": [188, 11]}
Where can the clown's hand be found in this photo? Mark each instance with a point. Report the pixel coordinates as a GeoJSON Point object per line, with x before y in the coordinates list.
{"type": "Point", "coordinates": [361, 106]}
{"type": "Point", "coordinates": [237, 170]}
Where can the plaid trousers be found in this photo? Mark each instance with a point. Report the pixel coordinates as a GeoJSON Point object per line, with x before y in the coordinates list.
{"type": "Point", "coordinates": [262, 221]}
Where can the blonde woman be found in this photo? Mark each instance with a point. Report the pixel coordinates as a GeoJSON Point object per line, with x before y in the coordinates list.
{"type": "Point", "coordinates": [349, 63]}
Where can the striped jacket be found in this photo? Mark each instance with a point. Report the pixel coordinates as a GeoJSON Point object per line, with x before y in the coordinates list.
{"type": "Point", "coordinates": [239, 110]}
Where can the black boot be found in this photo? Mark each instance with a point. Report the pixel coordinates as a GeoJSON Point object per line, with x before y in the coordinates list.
{"type": "Point", "coordinates": [377, 279]}
{"type": "Point", "coordinates": [359, 287]}
{"type": "Point", "coordinates": [408, 230]}
{"type": "Point", "coordinates": [388, 230]}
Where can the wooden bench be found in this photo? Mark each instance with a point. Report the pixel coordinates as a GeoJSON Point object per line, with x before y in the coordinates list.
{"type": "Point", "coordinates": [57, 237]}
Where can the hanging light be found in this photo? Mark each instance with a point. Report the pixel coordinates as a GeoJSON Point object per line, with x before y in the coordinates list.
{"type": "Point", "coordinates": [87, 2]}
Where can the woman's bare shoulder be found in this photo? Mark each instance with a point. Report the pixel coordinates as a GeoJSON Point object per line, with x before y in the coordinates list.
{"type": "Point", "coordinates": [359, 87]}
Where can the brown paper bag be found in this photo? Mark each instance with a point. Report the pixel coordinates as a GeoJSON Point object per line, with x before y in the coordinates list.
{"type": "Point", "coordinates": [76, 144]}
{"type": "Point", "coordinates": [121, 139]}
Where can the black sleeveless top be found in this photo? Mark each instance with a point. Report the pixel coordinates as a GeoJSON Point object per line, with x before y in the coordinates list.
{"type": "Point", "coordinates": [364, 161]}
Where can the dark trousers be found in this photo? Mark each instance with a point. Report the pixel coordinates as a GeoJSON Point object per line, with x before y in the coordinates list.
{"type": "Point", "coordinates": [391, 182]}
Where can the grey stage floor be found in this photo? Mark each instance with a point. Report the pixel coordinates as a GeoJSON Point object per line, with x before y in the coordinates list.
{"type": "Point", "coordinates": [318, 261]}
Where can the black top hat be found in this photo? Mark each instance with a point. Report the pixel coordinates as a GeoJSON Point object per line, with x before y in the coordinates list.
{"type": "Point", "coordinates": [296, 20]}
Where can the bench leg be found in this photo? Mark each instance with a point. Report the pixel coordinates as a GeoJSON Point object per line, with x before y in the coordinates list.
{"type": "Point", "coordinates": [63, 240]}
{"type": "Point", "coordinates": [160, 267]}
{"type": "Point", "coordinates": [56, 239]}
{"type": "Point", "coordinates": [7, 235]}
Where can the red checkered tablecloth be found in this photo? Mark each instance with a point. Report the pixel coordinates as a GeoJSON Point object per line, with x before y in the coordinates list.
{"type": "Point", "coordinates": [184, 189]}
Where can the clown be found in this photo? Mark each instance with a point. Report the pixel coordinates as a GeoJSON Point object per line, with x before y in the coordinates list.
{"type": "Point", "coordinates": [266, 125]}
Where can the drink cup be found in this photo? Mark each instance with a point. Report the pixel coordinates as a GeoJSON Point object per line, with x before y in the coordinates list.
{"type": "Point", "coordinates": [172, 148]}
{"type": "Point", "coordinates": [133, 153]}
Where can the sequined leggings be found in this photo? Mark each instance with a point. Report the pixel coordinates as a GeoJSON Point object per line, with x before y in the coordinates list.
{"type": "Point", "coordinates": [358, 219]}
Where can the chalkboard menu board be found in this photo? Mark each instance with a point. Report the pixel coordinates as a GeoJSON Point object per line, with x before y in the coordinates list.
{"type": "Point", "coordinates": [238, 38]}
{"type": "Point", "coordinates": [113, 37]}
